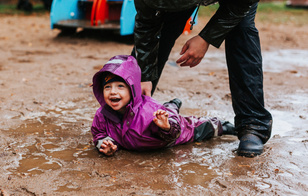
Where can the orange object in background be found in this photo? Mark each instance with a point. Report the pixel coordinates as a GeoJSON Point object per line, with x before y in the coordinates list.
{"type": "Point", "coordinates": [104, 11]}
{"type": "Point", "coordinates": [101, 13]}
{"type": "Point", "coordinates": [187, 27]}
{"type": "Point", "coordinates": [93, 12]}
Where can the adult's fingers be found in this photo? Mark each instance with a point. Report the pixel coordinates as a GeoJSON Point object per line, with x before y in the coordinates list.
{"type": "Point", "coordinates": [146, 92]}
{"type": "Point", "coordinates": [184, 48]}
{"type": "Point", "coordinates": [195, 62]}
{"type": "Point", "coordinates": [183, 59]}
{"type": "Point", "coordinates": [146, 88]}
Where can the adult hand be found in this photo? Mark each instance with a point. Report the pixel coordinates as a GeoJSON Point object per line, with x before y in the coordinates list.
{"type": "Point", "coordinates": [146, 88]}
{"type": "Point", "coordinates": [108, 148]}
{"type": "Point", "coordinates": [193, 51]}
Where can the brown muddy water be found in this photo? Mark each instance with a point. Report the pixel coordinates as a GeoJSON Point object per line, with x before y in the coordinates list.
{"type": "Point", "coordinates": [51, 153]}
{"type": "Point", "coordinates": [47, 106]}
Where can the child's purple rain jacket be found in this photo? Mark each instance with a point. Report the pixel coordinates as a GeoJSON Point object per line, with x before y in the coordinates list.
{"type": "Point", "coordinates": [136, 130]}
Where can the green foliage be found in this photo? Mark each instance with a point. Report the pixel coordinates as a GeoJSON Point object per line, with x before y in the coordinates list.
{"type": "Point", "coordinates": [12, 9]}
{"type": "Point", "coordinates": [273, 12]}
{"type": "Point", "coordinates": [208, 10]}
{"type": "Point", "coordinates": [273, 7]}
{"type": "Point", "coordinates": [279, 13]}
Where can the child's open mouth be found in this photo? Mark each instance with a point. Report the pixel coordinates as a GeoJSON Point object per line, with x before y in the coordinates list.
{"type": "Point", "coordinates": [115, 100]}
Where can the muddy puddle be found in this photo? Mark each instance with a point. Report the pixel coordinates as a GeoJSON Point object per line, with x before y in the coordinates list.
{"type": "Point", "coordinates": [51, 151]}
{"type": "Point", "coordinates": [65, 152]}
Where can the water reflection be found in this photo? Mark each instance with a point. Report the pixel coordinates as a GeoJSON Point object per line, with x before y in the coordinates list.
{"type": "Point", "coordinates": [59, 140]}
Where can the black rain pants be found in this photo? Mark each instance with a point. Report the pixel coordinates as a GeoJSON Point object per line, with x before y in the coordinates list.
{"type": "Point", "coordinates": [244, 61]}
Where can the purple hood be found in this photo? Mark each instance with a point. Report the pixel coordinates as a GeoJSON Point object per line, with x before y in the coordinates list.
{"type": "Point", "coordinates": [127, 68]}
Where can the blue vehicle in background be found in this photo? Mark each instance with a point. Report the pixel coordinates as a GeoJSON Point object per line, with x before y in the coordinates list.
{"type": "Point", "coordinates": [118, 15]}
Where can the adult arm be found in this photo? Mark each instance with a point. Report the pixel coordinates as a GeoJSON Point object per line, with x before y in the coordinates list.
{"type": "Point", "coordinates": [229, 15]}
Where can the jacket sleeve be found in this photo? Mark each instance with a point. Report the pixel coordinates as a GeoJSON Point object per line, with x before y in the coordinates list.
{"type": "Point", "coordinates": [146, 36]}
{"type": "Point", "coordinates": [174, 132]}
{"type": "Point", "coordinates": [229, 14]}
{"type": "Point", "coordinates": [175, 125]}
{"type": "Point", "coordinates": [99, 132]}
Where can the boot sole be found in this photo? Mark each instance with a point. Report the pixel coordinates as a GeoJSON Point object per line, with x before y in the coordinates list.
{"type": "Point", "coordinates": [249, 154]}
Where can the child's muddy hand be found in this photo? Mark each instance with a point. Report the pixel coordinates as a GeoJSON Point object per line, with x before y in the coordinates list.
{"type": "Point", "coordinates": [161, 119]}
{"type": "Point", "coordinates": [161, 114]}
{"type": "Point", "coordinates": [108, 148]}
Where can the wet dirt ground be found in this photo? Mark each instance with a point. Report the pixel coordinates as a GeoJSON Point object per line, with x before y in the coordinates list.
{"type": "Point", "coordinates": [47, 106]}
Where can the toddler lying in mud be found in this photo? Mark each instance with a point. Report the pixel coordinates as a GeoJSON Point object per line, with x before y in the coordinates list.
{"type": "Point", "coordinates": [134, 121]}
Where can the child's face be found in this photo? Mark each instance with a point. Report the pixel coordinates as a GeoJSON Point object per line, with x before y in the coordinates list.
{"type": "Point", "coordinates": [117, 95]}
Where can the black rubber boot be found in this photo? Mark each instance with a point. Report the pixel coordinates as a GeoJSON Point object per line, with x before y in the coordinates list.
{"type": "Point", "coordinates": [228, 128]}
{"type": "Point", "coordinates": [250, 146]}
{"type": "Point", "coordinates": [177, 102]}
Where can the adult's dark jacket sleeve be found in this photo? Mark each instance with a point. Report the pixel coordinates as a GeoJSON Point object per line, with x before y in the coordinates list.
{"type": "Point", "coordinates": [148, 25]}
{"type": "Point", "coordinates": [229, 14]}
